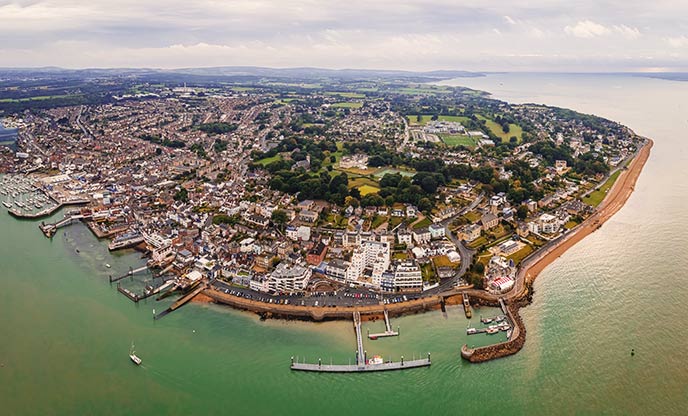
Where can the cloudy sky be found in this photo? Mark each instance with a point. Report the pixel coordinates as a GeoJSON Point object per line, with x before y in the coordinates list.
{"type": "Point", "coordinates": [488, 35]}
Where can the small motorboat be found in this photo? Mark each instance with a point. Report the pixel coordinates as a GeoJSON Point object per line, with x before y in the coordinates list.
{"type": "Point", "coordinates": [134, 358]}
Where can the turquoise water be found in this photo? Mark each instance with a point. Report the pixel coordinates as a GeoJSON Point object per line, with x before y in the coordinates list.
{"type": "Point", "coordinates": [66, 331]}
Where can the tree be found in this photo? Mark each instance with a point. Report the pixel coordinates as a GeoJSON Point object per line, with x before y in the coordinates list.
{"type": "Point", "coordinates": [425, 205]}
{"type": "Point", "coordinates": [279, 218]}
{"type": "Point", "coordinates": [182, 195]}
{"type": "Point", "coordinates": [522, 212]}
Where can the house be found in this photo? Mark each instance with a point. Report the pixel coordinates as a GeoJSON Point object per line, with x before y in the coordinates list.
{"type": "Point", "coordinates": [436, 231]}
{"type": "Point", "coordinates": [405, 237]}
{"type": "Point", "coordinates": [421, 235]}
{"type": "Point", "coordinates": [470, 232]}
{"type": "Point", "coordinates": [489, 221]}
{"type": "Point", "coordinates": [548, 224]}
{"type": "Point", "coordinates": [316, 254]}
{"type": "Point", "coordinates": [301, 233]}
{"type": "Point", "coordinates": [522, 230]}
{"type": "Point", "coordinates": [308, 216]}
{"type": "Point", "coordinates": [257, 220]}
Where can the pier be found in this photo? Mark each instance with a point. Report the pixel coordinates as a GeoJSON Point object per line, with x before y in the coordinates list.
{"type": "Point", "coordinates": [388, 329]}
{"type": "Point", "coordinates": [130, 273]}
{"type": "Point", "coordinates": [467, 306]}
{"type": "Point", "coordinates": [182, 301]}
{"type": "Point", "coordinates": [362, 363]}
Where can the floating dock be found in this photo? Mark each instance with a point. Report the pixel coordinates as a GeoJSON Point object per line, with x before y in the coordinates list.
{"type": "Point", "coordinates": [362, 363]}
{"type": "Point", "coordinates": [337, 368]}
{"type": "Point", "coordinates": [388, 329]}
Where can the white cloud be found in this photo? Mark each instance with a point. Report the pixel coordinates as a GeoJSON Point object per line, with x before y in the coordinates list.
{"type": "Point", "coordinates": [677, 42]}
{"type": "Point", "coordinates": [627, 32]}
{"type": "Point", "coordinates": [587, 29]}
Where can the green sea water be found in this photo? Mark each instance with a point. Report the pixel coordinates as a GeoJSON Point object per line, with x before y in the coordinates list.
{"type": "Point", "coordinates": [65, 332]}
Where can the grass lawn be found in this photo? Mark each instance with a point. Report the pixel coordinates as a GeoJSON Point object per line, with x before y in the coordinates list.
{"type": "Point", "coordinates": [348, 104]}
{"type": "Point", "coordinates": [452, 140]}
{"type": "Point", "coordinates": [521, 254]}
{"type": "Point", "coordinates": [443, 261]}
{"type": "Point", "coordinates": [422, 223]}
{"type": "Point", "coordinates": [399, 255]}
{"type": "Point", "coordinates": [367, 189]}
{"type": "Point", "coordinates": [596, 197]}
{"type": "Point", "coordinates": [394, 221]}
{"type": "Point", "coordinates": [480, 241]}
{"type": "Point", "coordinates": [496, 129]}
{"type": "Point", "coordinates": [570, 225]}
{"type": "Point", "coordinates": [266, 161]}
{"type": "Point", "coordinates": [378, 220]}
{"type": "Point", "coordinates": [472, 216]}
{"type": "Point", "coordinates": [428, 272]}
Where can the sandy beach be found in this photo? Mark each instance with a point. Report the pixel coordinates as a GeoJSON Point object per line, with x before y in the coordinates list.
{"type": "Point", "coordinates": [612, 203]}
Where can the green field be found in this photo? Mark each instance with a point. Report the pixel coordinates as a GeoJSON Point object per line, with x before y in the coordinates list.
{"type": "Point", "coordinates": [368, 189]}
{"type": "Point", "coordinates": [38, 98]}
{"type": "Point", "coordinates": [496, 129]}
{"type": "Point", "coordinates": [452, 140]}
{"type": "Point", "coordinates": [266, 161]}
{"type": "Point", "coordinates": [596, 197]}
{"type": "Point", "coordinates": [364, 185]}
{"type": "Point", "coordinates": [346, 94]}
{"type": "Point", "coordinates": [421, 90]}
{"type": "Point", "coordinates": [379, 174]}
{"type": "Point", "coordinates": [348, 104]}
{"type": "Point", "coordinates": [426, 118]}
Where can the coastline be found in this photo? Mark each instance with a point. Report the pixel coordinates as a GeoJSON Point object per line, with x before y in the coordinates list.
{"type": "Point", "coordinates": [612, 203]}
{"type": "Point", "coordinates": [517, 297]}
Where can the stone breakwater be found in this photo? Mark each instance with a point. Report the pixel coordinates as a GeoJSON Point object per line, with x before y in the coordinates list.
{"type": "Point", "coordinates": [503, 349]}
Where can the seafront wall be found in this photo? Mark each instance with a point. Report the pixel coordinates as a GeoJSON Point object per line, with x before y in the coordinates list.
{"type": "Point", "coordinates": [324, 313]}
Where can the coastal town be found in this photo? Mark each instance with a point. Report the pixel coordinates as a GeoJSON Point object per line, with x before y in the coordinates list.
{"type": "Point", "coordinates": [320, 200]}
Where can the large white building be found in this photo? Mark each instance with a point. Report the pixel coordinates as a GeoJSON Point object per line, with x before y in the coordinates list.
{"type": "Point", "coordinates": [548, 224]}
{"type": "Point", "coordinates": [370, 254]}
{"type": "Point", "coordinates": [407, 276]}
{"type": "Point", "coordinates": [287, 278]}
